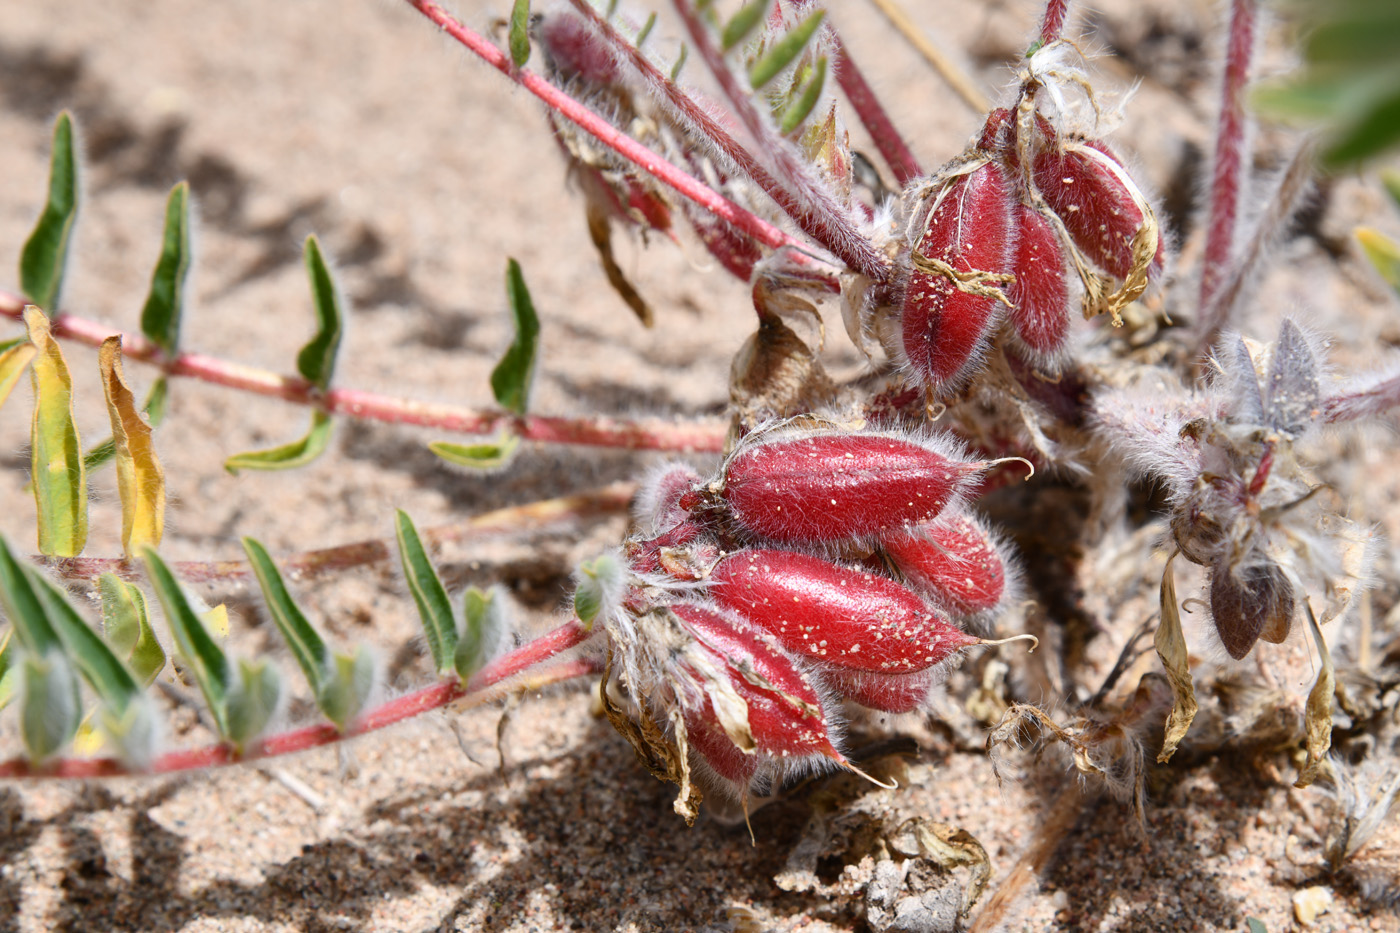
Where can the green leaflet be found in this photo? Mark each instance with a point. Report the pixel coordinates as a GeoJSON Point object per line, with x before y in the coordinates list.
{"type": "Point", "coordinates": [253, 704]}
{"type": "Point", "coordinates": [491, 456]}
{"type": "Point", "coordinates": [599, 581]}
{"type": "Point", "coordinates": [126, 624]}
{"type": "Point", "coordinates": [23, 607]}
{"type": "Point", "coordinates": [60, 481]}
{"type": "Point", "coordinates": [45, 253]}
{"type": "Point", "coordinates": [14, 361]}
{"type": "Point", "coordinates": [206, 659]}
{"type": "Point", "coordinates": [288, 456]}
{"type": "Point", "coordinates": [429, 595]}
{"type": "Point", "coordinates": [140, 478]}
{"type": "Point", "coordinates": [743, 23]}
{"type": "Point", "coordinates": [316, 361]}
{"type": "Point", "coordinates": [785, 51]}
{"type": "Point", "coordinates": [646, 29]}
{"type": "Point", "coordinates": [9, 671]}
{"type": "Point", "coordinates": [341, 683]}
{"type": "Point", "coordinates": [104, 672]}
{"type": "Point", "coordinates": [510, 380]}
{"type": "Point", "coordinates": [518, 37]}
{"type": "Point", "coordinates": [806, 101]}
{"type": "Point", "coordinates": [484, 630]}
{"type": "Point", "coordinates": [306, 643]}
{"type": "Point", "coordinates": [165, 302]}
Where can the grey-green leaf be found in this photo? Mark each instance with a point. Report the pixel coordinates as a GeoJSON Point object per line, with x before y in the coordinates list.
{"type": "Point", "coordinates": [9, 670]}
{"type": "Point", "coordinates": [288, 456]}
{"type": "Point", "coordinates": [490, 456]}
{"type": "Point", "coordinates": [254, 702]}
{"type": "Point", "coordinates": [519, 33]}
{"type": "Point", "coordinates": [23, 606]}
{"type": "Point", "coordinates": [49, 710]}
{"type": "Point", "coordinates": [104, 672]}
{"type": "Point", "coordinates": [316, 361]}
{"type": "Point", "coordinates": [306, 643]}
{"type": "Point", "coordinates": [785, 51]}
{"type": "Point", "coordinates": [744, 22]}
{"type": "Point", "coordinates": [429, 595]}
{"type": "Point", "coordinates": [206, 659]}
{"type": "Point", "coordinates": [127, 624]}
{"type": "Point", "coordinates": [165, 302]}
{"type": "Point", "coordinates": [484, 631]}
{"type": "Point", "coordinates": [599, 582]}
{"type": "Point", "coordinates": [349, 686]}
{"type": "Point", "coordinates": [45, 253]}
{"type": "Point", "coordinates": [511, 379]}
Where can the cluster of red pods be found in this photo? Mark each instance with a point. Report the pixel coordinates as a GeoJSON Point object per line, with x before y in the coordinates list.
{"type": "Point", "coordinates": [995, 238]}
{"type": "Point", "coordinates": [817, 565]}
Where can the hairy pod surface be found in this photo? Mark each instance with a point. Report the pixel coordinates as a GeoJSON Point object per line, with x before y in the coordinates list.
{"type": "Point", "coordinates": [1040, 295]}
{"type": "Point", "coordinates": [1095, 204]}
{"type": "Point", "coordinates": [889, 693]}
{"type": "Point", "coordinates": [1256, 602]}
{"type": "Point", "coordinates": [950, 304]}
{"type": "Point", "coordinates": [785, 717]}
{"type": "Point", "coordinates": [829, 488]}
{"type": "Point", "coordinates": [842, 617]}
{"type": "Point", "coordinates": [954, 561]}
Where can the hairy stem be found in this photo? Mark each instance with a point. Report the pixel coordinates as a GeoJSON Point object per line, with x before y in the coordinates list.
{"type": "Point", "coordinates": [804, 198]}
{"type": "Point", "coordinates": [1293, 187]}
{"type": "Point", "coordinates": [307, 565]}
{"type": "Point", "coordinates": [437, 696]}
{"type": "Point", "coordinates": [599, 431]}
{"type": "Point", "coordinates": [1367, 402]}
{"type": "Point", "coordinates": [607, 134]}
{"type": "Point", "coordinates": [1231, 149]}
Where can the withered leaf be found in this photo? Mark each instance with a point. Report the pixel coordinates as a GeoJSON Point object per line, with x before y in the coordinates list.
{"type": "Point", "coordinates": [1317, 717]}
{"type": "Point", "coordinates": [1171, 648]}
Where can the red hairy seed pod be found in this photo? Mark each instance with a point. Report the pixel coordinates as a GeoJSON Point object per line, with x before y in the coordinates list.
{"type": "Point", "coordinates": [574, 51]}
{"type": "Point", "coordinates": [889, 693]}
{"type": "Point", "coordinates": [837, 487]}
{"type": "Point", "coordinates": [785, 714]}
{"type": "Point", "coordinates": [1257, 602]}
{"type": "Point", "coordinates": [842, 617]}
{"type": "Point", "coordinates": [954, 561]}
{"type": "Point", "coordinates": [959, 263]}
{"type": "Point", "coordinates": [1095, 203]}
{"type": "Point", "coordinates": [708, 739]}
{"type": "Point", "coordinates": [1040, 295]}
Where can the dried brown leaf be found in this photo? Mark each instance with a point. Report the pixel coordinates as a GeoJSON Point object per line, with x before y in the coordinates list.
{"type": "Point", "coordinates": [1171, 648]}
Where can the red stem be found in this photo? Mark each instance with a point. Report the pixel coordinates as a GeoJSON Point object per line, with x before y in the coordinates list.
{"type": "Point", "coordinates": [435, 696]}
{"type": "Point", "coordinates": [1231, 147]}
{"type": "Point", "coordinates": [812, 206]}
{"type": "Point", "coordinates": [599, 431]}
{"type": "Point", "coordinates": [1363, 403]}
{"type": "Point", "coordinates": [607, 134]}
{"type": "Point", "coordinates": [893, 149]}
{"type": "Point", "coordinates": [1053, 25]}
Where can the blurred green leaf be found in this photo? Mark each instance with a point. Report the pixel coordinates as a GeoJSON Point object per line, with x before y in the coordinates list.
{"type": "Point", "coordinates": [23, 607]}
{"type": "Point", "coordinates": [745, 21]}
{"type": "Point", "coordinates": [126, 623]}
{"type": "Point", "coordinates": [316, 361]}
{"type": "Point", "coordinates": [288, 456]}
{"type": "Point", "coordinates": [518, 37]}
{"type": "Point", "coordinates": [206, 659]}
{"type": "Point", "coordinates": [785, 51]}
{"type": "Point", "coordinates": [511, 379]}
{"type": "Point", "coordinates": [490, 456]}
{"type": "Point", "coordinates": [429, 595]}
{"type": "Point", "coordinates": [253, 702]}
{"type": "Point", "coordinates": [484, 631]}
{"type": "Point", "coordinates": [165, 302]}
{"type": "Point", "coordinates": [9, 670]}
{"type": "Point", "coordinates": [60, 481]}
{"type": "Point", "coordinates": [49, 711]}
{"type": "Point", "coordinates": [799, 110]}
{"type": "Point", "coordinates": [598, 583]}
{"type": "Point", "coordinates": [1383, 252]}
{"type": "Point", "coordinates": [45, 253]}
{"type": "Point", "coordinates": [349, 686]}
{"type": "Point", "coordinates": [104, 672]}
{"type": "Point", "coordinates": [646, 29]}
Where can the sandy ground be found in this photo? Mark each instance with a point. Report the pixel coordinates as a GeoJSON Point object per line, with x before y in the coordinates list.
{"type": "Point", "coordinates": [422, 171]}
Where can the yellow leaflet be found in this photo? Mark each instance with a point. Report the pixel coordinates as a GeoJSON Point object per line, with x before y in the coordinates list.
{"type": "Point", "coordinates": [60, 483]}
{"type": "Point", "coordinates": [140, 479]}
{"type": "Point", "coordinates": [216, 620]}
{"type": "Point", "coordinates": [12, 365]}
{"type": "Point", "coordinates": [88, 739]}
